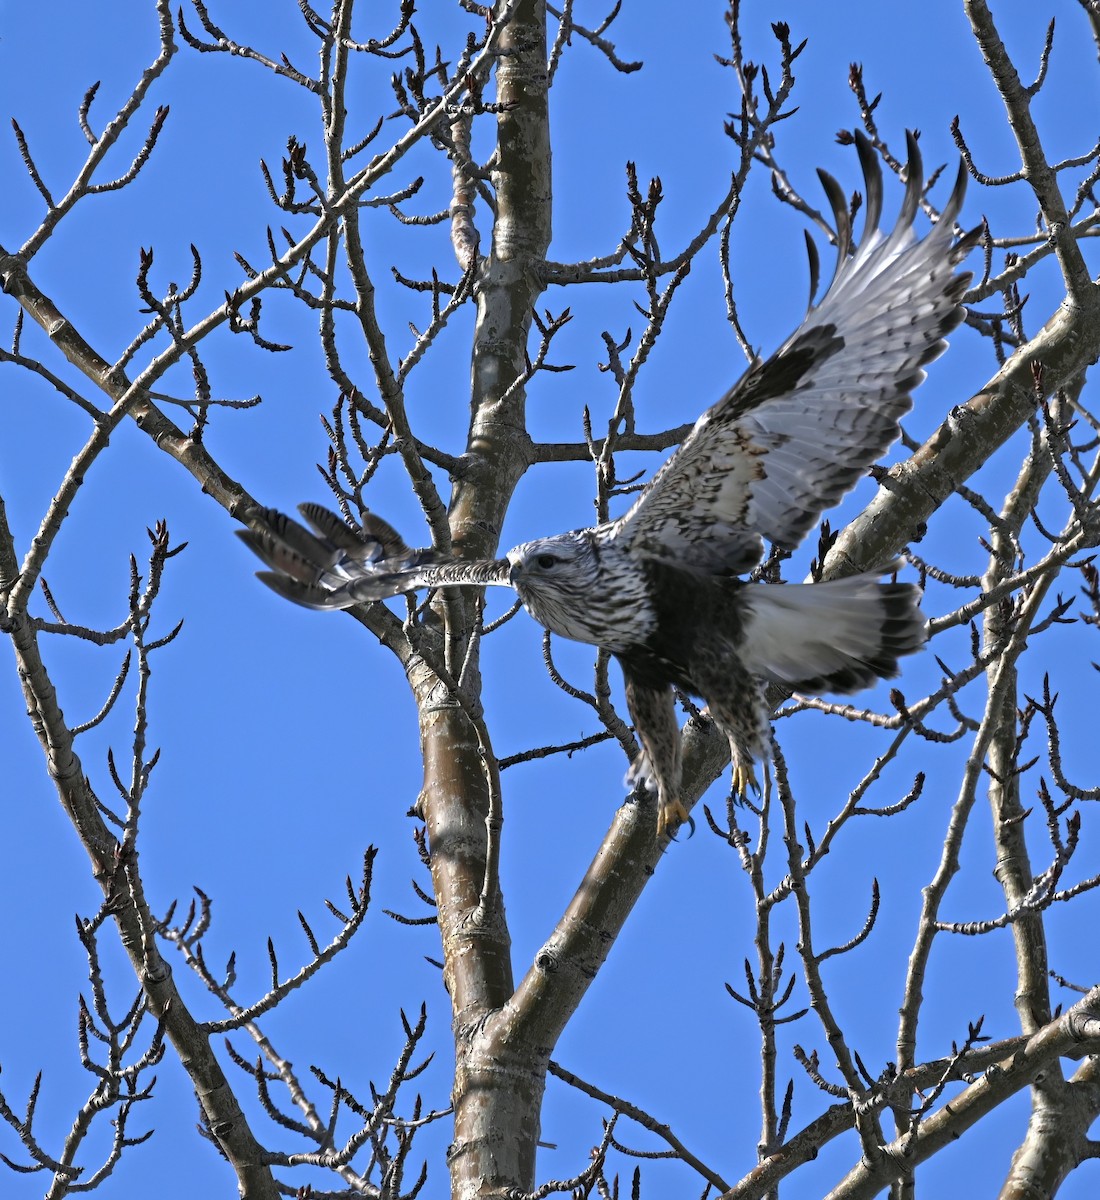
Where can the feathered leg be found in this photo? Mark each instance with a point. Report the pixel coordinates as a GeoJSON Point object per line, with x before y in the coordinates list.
{"type": "Point", "coordinates": [736, 704]}
{"type": "Point", "coordinates": [654, 716]}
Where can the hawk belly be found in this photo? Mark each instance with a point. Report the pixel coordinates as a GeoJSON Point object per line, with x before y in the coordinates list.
{"type": "Point", "coordinates": [695, 646]}
{"type": "Point", "coordinates": [723, 640]}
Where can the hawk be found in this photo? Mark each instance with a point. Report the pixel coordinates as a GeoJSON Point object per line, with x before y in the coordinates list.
{"type": "Point", "coordinates": [658, 587]}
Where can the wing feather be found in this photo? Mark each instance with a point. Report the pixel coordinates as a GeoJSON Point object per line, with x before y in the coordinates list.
{"type": "Point", "coordinates": [335, 566]}
{"type": "Point", "coordinates": [798, 431]}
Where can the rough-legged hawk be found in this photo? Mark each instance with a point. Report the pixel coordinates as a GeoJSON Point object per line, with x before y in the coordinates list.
{"type": "Point", "coordinates": [658, 586]}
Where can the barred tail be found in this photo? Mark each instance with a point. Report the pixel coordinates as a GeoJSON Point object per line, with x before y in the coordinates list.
{"type": "Point", "coordinates": [838, 636]}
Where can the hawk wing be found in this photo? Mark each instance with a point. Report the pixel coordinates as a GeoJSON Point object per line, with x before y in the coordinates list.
{"type": "Point", "coordinates": [799, 430]}
{"type": "Point", "coordinates": [336, 567]}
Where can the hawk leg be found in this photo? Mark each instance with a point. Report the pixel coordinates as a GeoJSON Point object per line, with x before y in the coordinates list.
{"type": "Point", "coordinates": [654, 716]}
{"type": "Point", "coordinates": [739, 713]}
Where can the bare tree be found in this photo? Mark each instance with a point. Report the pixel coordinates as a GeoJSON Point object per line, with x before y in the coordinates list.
{"type": "Point", "coordinates": [457, 163]}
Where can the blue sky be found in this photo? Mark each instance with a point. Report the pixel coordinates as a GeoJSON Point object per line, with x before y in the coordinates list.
{"type": "Point", "coordinates": [289, 740]}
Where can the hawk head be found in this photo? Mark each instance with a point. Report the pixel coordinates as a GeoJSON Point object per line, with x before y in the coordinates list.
{"type": "Point", "coordinates": [579, 586]}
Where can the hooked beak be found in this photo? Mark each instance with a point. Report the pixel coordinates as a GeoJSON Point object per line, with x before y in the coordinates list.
{"type": "Point", "coordinates": [515, 572]}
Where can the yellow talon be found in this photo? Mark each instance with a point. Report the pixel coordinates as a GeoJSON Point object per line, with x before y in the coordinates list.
{"type": "Point", "coordinates": [670, 816]}
{"type": "Point", "coordinates": [744, 780]}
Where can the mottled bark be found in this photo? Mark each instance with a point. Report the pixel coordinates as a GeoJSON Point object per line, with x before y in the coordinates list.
{"type": "Point", "coordinates": [499, 1082]}
{"type": "Point", "coordinates": [114, 868]}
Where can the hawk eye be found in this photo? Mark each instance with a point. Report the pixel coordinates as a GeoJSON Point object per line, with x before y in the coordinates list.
{"type": "Point", "coordinates": [546, 561]}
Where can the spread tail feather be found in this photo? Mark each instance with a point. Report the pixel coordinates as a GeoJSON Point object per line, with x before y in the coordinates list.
{"type": "Point", "coordinates": [838, 636]}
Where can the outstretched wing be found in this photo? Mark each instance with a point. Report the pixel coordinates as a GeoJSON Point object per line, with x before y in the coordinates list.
{"type": "Point", "coordinates": [799, 430]}
{"type": "Point", "coordinates": [335, 566]}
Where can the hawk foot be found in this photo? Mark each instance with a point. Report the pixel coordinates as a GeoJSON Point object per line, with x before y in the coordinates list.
{"type": "Point", "coordinates": [671, 814]}
{"type": "Point", "coordinates": [744, 781]}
